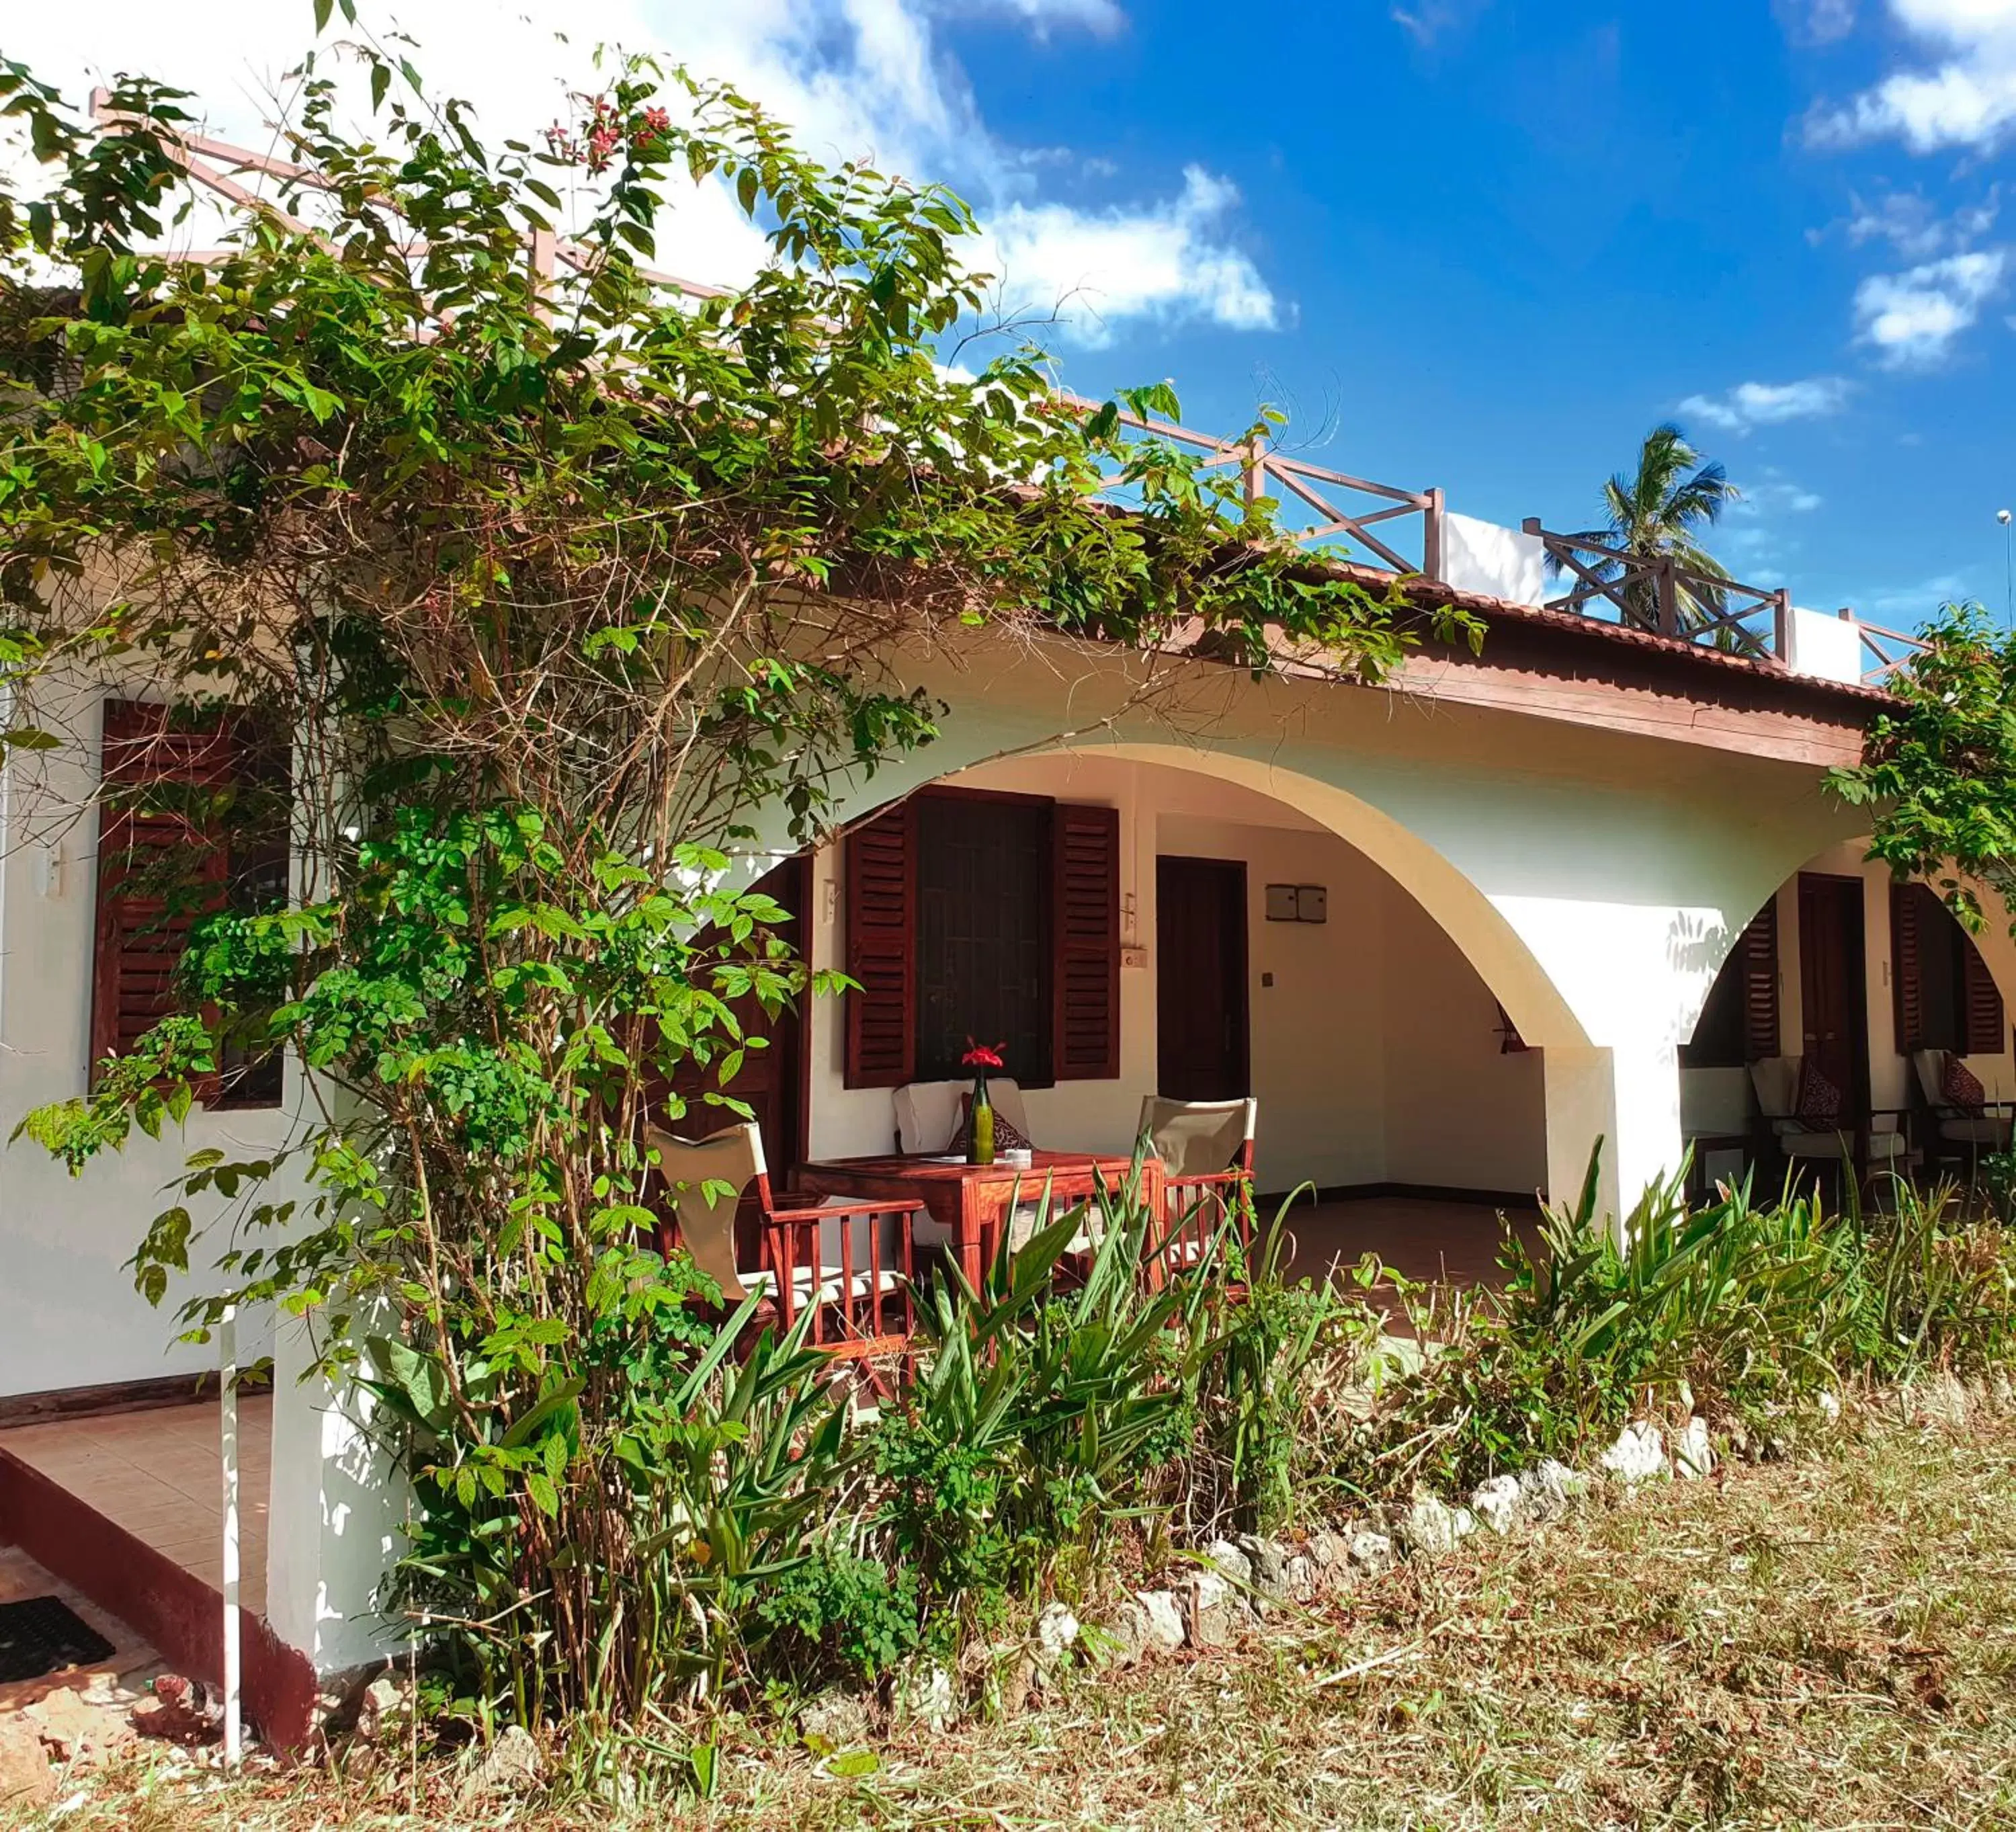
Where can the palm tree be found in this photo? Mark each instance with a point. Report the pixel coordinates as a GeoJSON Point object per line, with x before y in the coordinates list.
{"type": "Point", "coordinates": [1658, 513]}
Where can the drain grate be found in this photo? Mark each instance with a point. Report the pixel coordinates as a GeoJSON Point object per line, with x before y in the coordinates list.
{"type": "Point", "coordinates": [41, 1634]}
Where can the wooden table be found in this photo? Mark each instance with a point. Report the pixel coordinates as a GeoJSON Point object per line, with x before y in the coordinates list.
{"type": "Point", "coordinates": [969, 1201]}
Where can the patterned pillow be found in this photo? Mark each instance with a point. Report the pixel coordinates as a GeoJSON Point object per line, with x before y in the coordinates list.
{"type": "Point", "coordinates": [1958, 1086]}
{"type": "Point", "coordinates": [1819, 1104]}
{"type": "Point", "coordinates": [1007, 1136]}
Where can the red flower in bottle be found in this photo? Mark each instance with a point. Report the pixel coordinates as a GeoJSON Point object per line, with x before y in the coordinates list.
{"type": "Point", "coordinates": [982, 1055]}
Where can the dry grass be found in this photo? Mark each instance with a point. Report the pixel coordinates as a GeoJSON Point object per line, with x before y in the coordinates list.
{"type": "Point", "coordinates": [1829, 1642]}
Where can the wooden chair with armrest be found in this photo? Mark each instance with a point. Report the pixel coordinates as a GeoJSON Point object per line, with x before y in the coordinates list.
{"type": "Point", "coordinates": [1206, 1148]}
{"type": "Point", "coordinates": [849, 1263]}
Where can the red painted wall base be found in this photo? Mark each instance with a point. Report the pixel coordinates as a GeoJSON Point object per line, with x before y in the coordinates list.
{"type": "Point", "coordinates": [182, 1616]}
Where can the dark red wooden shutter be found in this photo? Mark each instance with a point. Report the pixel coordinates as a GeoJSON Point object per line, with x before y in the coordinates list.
{"type": "Point", "coordinates": [881, 867]}
{"type": "Point", "coordinates": [1085, 936]}
{"type": "Point", "coordinates": [1985, 1032]}
{"type": "Point", "coordinates": [1907, 999]}
{"type": "Point", "coordinates": [1758, 950]}
{"type": "Point", "coordinates": [142, 928]}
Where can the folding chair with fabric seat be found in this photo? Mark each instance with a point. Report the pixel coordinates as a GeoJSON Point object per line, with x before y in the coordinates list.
{"type": "Point", "coordinates": [1965, 1125]}
{"type": "Point", "coordinates": [1886, 1144]}
{"type": "Point", "coordinates": [1206, 1147]}
{"type": "Point", "coordinates": [829, 1257]}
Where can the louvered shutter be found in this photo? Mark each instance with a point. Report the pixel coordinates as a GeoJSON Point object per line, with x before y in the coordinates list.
{"type": "Point", "coordinates": [1085, 943]}
{"type": "Point", "coordinates": [142, 921]}
{"type": "Point", "coordinates": [1907, 996]}
{"type": "Point", "coordinates": [1757, 952]}
{"type": "Point", "coordinates": [881, 868]}
{"type": "Point", "coordinates": [1985, 1033]}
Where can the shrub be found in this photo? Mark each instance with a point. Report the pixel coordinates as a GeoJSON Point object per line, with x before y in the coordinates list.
{"type": "Point", "coordinates": [1043, 1398]}
{"type": "Point", "coordinates": [838, 1609]}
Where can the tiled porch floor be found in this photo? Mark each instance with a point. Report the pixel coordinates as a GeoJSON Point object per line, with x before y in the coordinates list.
{"type": "Point", "coordinates": [158, 1475]}
{"type": "Point", "coordinates": [1420, 1239]}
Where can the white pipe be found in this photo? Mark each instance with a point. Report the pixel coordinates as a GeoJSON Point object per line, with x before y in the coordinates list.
{"type": "Point", "coordinates": [228, 1413]}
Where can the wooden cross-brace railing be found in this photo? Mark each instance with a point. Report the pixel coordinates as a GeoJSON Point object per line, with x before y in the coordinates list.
{"type": "Point", "coordinates": [1301, 487]}
{"type": "Point", "coordinates": [1655, 593]}
{"type": "Point", "coordinates": [1885, 651]}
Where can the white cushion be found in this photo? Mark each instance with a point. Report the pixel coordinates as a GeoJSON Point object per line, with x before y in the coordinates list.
{"type": "Point", "coordinates": [1833, 1144]}
{"type": "Point", "coordinates": [830, 1284]}
{"type": "Point", "coordinates": [1987, 1130]}
{"type": "Point", "coordinates": [1776, 1080]}
{"type": "Point", "coordinates": [927, 1112]}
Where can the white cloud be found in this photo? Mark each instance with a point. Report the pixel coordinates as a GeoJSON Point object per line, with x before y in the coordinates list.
{"type": "Point", "coordinates": [1129, 264]}
{"type": "Point", "coordinates": [1103, 17]}
{"type": "Point", "coordinates": [1754, 537]}
{"type": "Point", "coordinates": [1433, 20]}
{"type": "Point", "coordinates": [1919, 600]}
{"type": "Point", "coordinates": [1967, 96]}
{"type": "Point", "coordinates": [1777, 496]}
{"type": "Point", "coordinates": [1912, 223]}
{"type": "Point", "coordinates": [1764, 403]}
{"type": "Point", "coordinates": [1911, 318]}
{"type": "Point", "coordinates": [853, 77]}
{"type": "Point", "coordinates": [1816, 22]}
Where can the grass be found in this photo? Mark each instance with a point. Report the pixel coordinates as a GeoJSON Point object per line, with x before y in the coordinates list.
{"type": "Point", "coordinates": [1829, 1641]}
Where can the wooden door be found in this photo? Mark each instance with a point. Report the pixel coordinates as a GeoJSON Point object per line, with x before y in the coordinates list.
{"type": "Point", "coordinates": [1835, 1031]}
{"type": "Point", "coordinates": [1200, 979]}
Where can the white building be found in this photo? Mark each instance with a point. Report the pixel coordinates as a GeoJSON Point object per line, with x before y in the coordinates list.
{"type": "Point", "coordinates": [1448, 931]}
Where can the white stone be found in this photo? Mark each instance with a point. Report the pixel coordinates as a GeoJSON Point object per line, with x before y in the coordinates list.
{"type": "Point", "coordinates": [1299, 1578]}
{"type": "Point", "coordinates": [1329, 1550]}
{"type": "Point", "coordinates": [1550, 1488]}
{"type": "Point", "coordinates": [1230, 1561]}
{"type": "Point", "coordinates": [1165, 1619]}
{"type": "Point", "coordinates": [1638, 1454]}
{"type": "Point", "coordinates": [1466, 1522]}
{"type": "Point", "coordinates": [1829, 1407]}
{"type": "Point", "coordinates": [512, 1765]}
{"type": "Point", "coordinates": [838, 1717]}
{"type": "Point", "coordinates": [1057, 1631]}
{"type": "Point", "coordinates": [1371, 1552]}
{"type": "Point", "coordinates": [1694, 1455]}
{"type": "Point", "coordinates": [1429, 1525]}
{"type": "Point", "coordinates": [1498, 1503]}
{"type": "Point", "coordinates": [1125, 1634]}
{"type": "Point", "coordinates": [1209, 1613]}
{"type": "Point", "coordinates": [924, 1695]}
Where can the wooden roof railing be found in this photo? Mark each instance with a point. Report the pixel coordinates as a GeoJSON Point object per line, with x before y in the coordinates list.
{"type": "Point", "coordinates": [1321, 509]}
{"type": "Point", "coordinates": [1655, 593]}
{"type": "Point", "coordinates": [1885, 651]}
{"type": "Point", "coordinates": [1319, 505]}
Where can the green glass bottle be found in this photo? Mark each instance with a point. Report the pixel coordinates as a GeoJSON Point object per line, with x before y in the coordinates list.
{"type": "Point", "coordinates": [980, 1125]}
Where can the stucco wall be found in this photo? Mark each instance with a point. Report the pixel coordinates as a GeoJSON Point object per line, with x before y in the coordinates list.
{"type": "Point", "coordinates": [69, 1314]}
{"type": "Point", "coordinates": [1374, 1051]}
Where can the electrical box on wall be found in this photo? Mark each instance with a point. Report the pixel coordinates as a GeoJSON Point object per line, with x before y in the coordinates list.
{"type": "Point", "coordinates": [1298, 903]}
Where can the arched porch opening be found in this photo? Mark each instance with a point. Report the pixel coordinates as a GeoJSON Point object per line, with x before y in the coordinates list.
{"type": "Point", "coordinates": [1872, 987]}
{"type": "Point", "coordinates": [1396, 1030]}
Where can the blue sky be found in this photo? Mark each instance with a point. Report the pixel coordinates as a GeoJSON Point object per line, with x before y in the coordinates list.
{"type": "Point", "coordinates": [1505, 238]}
{"type": "Point", "coordinates": [1484, 244]}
